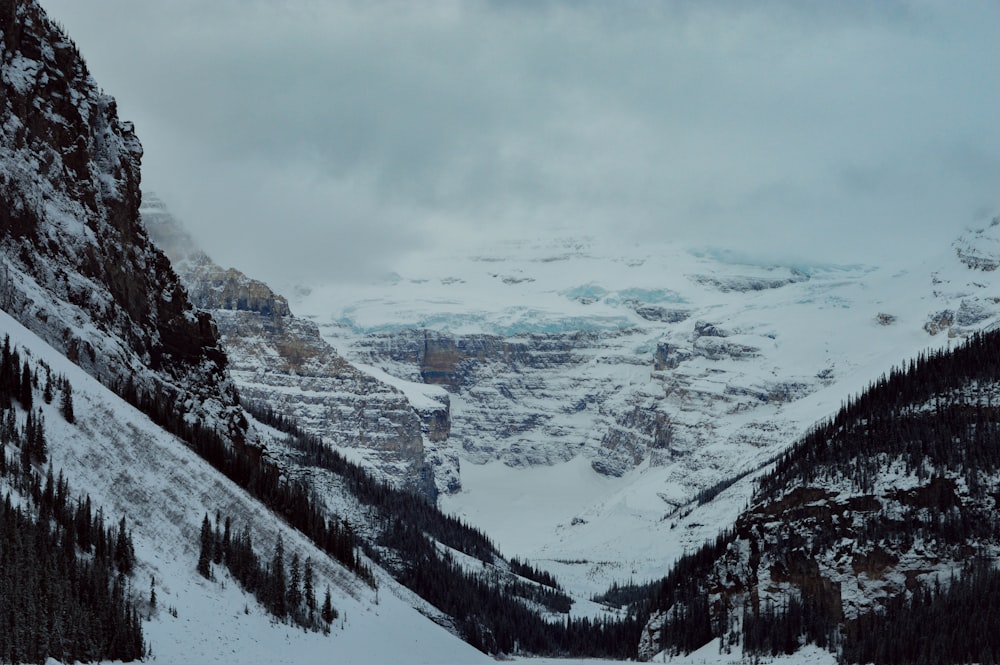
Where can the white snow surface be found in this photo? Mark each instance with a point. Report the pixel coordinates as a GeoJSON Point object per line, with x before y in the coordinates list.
{"type": "Point", "coordinates": [709, 654]}
{"type": "Point", "coordinates": [816, 335]}
{"type": "Point", "coordinates": [419, 395]}
{"type": "Point", "coordinates": [130, 467]}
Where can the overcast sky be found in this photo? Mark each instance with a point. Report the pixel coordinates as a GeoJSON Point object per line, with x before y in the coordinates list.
{"type": "Point", "coordinates": [311, 140]}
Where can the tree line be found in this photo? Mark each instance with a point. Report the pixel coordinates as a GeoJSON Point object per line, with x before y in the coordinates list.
{"type": "Point", "coordinates": [243, 463]}
{"type": "Point", "coordinates": [493, 611]}
{"type": "Point", "coordinates": [287, 592]}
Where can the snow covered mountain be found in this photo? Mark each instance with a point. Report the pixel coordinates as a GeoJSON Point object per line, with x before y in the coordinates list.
{"type": "Point", "coordinates": [131, 467]}
{"type": "Point", "coordinates": [280, 361]}
{"type": "Point", "coordinates": [611, 406]}
{"type": "Point", "coordinates": [77, 267]}
{"type": "Point", "coordinates": [87, 298]}
{"type": "Point", "coordinates": [875, 537]}
{"type": "Point", "coordinates": [596, 389]}
{"type": "Point", "coordinates": [161, 437]}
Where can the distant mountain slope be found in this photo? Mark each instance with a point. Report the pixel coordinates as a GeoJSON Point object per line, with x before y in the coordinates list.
{"type": "Point", "coordinates": [85, 293]}
{"type": "Point", "coordinates": [896, 494]}
{"type": "Point", "coordinates": [280, 360]}
{"type": "Point", "coordinates": [665, 370]}
{"type": "Point", "coordinates": [130, 467]}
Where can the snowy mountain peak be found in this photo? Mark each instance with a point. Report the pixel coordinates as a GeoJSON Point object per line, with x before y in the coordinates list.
{"type": "Point", "coordinates": [980, 249]}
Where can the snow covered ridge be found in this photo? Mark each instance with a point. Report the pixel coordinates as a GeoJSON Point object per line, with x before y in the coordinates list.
{"type": "Point", "coordinates": [395, 428]}
{"type": "Point", "coordinates": [893, 497]}
{"type": "Point", "coordinates": [980, 249]}
{"type": "Point", "coordinates": [132, 468]}
{"type": "Point", "coordinates": [76, 265]}
{"type": "Point", "coordinates": [106, 299]}
{"type": "Point", "coordinates": [549, 354]}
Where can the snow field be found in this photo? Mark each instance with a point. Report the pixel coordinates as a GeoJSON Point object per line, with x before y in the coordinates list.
{"type": "Point", "coordinates": [130, 467]}
{"type": "Point", "coordinates": [819, 334]}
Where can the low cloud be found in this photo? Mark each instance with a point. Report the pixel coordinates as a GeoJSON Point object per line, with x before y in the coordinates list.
{"type": "Point", "coordinates": [310, 141]}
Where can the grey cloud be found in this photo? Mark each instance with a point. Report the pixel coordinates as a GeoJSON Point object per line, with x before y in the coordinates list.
{"type": "Point", "coordinates": [393, 126]}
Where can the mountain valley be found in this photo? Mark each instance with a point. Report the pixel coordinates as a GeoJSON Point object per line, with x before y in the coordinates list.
{"type": "Point", "coordinates": [558, 446]}
{"type": "Point", "coordinates": [635, 379]}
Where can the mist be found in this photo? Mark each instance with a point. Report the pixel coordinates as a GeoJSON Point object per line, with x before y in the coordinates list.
{"type": "Point", "coordinates": [308, 141]}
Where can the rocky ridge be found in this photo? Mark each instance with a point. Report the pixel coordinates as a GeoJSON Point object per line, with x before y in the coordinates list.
{"type": "Point", "coordinates": [76, 265]}
{"type": "Point", "coordinates": [898, 490]}
{"type": "Point", "coordinates": [281, 361]}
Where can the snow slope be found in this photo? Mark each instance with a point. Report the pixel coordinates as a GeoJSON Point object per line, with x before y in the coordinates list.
{"type": "Point", "coordinates": [674, 369]}
{"type": "Point", "coordinates": [130, 467]}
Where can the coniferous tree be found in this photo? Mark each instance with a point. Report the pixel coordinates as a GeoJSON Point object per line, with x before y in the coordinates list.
{"type": "Point", "coordinates": [217, 547]}
{"type": "Point", "coordinates": [84, 520]}
{"type": "Point", "coordinates": [48, 497]}
{"type": "Point", "coordinates": [27, 440]}
{"type": "Point", "coordinates": [8, 426]}
{"type": "Point", "coordinates": [308, 591]}
{"type": "Point", "coordinates": [328, 613]}
{"type": "Point", "coordinates": [25, 392]}
{"type": "Point", "coordinates": [278, 581]}
{"type": "Point", "coordinates": [205, 553]}
{"type": "Point", "coordinates": [124, 554]}
{"type": "Point", "coordinates": [227, 539]}
{"type": "Point", "coordinates": [294, 594]}
{"type": "Point", "coordinates": [6, 374]}
{"type": "Point", "coordinates": [47, 392]}
{"type": "Point", "coordinates": [66, 402]}
{"type": "Point", "coordinates": [39, 447]}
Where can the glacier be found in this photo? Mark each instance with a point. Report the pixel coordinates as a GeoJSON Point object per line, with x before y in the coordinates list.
{"type": "Point", "coordinates": [634, 377]}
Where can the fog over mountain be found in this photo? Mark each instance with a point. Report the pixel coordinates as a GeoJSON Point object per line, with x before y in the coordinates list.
{"type": "Point", "coordinates": [311, 141]}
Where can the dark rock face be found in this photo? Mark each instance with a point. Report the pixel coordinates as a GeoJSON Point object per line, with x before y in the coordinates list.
{"type": "Point", "coordinates": [282, 361]}
{"type": "Point", "coordinates": [445, 360]}
{"type": "Point", "coordinates": [751, 283]}
{"type": "Point", "coordinates": [661, 314]}
{"type": "Point", "coordinates": [436, 422]}
{"type": "Point", "coordinates": [78, 267]}
{"type": "Point", "coordinates": [455, 362]}
{"type": "Point", "coordinates": [633, 436]}
{"type": "Point", "coordinates": [669, 356]}
{"type": "Point", "coordinates": [215, 288]}
{"type": "Point", "coordinates": [706, 329]}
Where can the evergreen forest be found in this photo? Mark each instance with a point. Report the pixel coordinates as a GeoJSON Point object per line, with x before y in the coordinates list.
{"type": "Point", "coordinates": [65, 574]}
{"type": "Point", "coordinates": [938, 421]}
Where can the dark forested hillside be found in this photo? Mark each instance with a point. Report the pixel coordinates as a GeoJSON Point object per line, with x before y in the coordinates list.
{"type": "Point", "coordinates": [878, 519]}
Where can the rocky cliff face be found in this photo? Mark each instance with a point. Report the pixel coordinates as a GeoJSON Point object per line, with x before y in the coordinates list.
{"type": "Point", "coordinates": [685, 362]}
{"type": "Point", "coordinates": [545, 398]}
{"type": "Point", "coordinates": [76, 265]}
{"type": "Point", "coordinates": [980, 249]}
{"type": "Point", "coordinates": [280, 360]}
